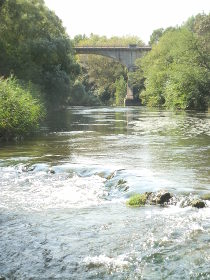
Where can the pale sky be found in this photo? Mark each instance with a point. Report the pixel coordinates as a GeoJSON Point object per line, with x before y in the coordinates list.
{"type": "Point", "coordinates": [124, 17]}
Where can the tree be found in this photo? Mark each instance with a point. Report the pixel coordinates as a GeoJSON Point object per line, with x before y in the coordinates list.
{"type": "Point", "coordinates": [156, 35]}
{"type": "Point", "coordinates": [35, 47]}
{"type": "Point", "coordinates": [175, 72]}
{"type": "Point", "coordinates": [120, 93]}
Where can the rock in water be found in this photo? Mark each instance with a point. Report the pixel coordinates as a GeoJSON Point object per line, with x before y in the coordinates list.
{"type": "Point", "coordinates": [163, 197]}
{"type": "Point", "coordinates": [198, 203]}
{"type": "Point", "coordinates": [159, 197]}
{"type": "Point", "coordinates": [206, 196]}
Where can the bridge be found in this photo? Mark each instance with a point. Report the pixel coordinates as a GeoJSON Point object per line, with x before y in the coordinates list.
{"type": "Point", "coordinates": [125, 55]}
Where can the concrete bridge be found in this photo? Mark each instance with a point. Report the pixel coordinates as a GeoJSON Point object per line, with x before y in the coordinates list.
{"type": "Point", "coordinates": [125, 55]}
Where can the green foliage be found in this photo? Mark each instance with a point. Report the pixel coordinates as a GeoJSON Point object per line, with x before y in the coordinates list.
{"type": "Point", "coordinates": [99, 75]}
{"type": "Point", "coordinates": [177, 71]}
{"type": "Point", "coordinates": [120, 93]}
{"type": "Point", "coordinates": [96, 40]}
{"type": "Point", "coordinates": [79, 96]}
{"type": "Point", "coordinates": [20, 113]}
{"type": "Point", "coordinates": [136, 79]}
{"type": "Point", "coordinates": [137, 200]}
{"type": "Point", "coordinates": [156, 35]}
{"type": "Point", "coordinates": [35, 47]}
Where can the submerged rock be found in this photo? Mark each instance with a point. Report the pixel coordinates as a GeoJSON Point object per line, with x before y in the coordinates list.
{"type": "Point", "coordinates": [110, 176]}
{"type": "Point", "coordinates": [206, 196]}
{"type": "Point", "coordinates": [28, 168]}
{"type": "Point", "coordinates": [122, 185]}
{"type": "Point", "coordinates": [121, 182]}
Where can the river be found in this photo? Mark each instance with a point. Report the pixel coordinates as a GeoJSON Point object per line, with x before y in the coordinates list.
{"type": "Point", "coordinates": [63, 212]}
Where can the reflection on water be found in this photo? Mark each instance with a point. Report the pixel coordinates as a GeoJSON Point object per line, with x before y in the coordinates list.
{"type": "Point", "coordinates": [62, 201]}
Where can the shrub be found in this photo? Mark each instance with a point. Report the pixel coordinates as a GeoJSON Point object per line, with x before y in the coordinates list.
{"type": "Point", "coordinates": [20, 113]}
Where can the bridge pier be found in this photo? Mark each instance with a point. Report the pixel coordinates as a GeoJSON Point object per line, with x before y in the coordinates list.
{"type": "Point", "coordinates": [129, 99]}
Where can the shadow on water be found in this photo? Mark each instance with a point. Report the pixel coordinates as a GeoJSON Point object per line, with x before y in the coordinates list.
{"type": "Point", "coordinates": [63, 126]}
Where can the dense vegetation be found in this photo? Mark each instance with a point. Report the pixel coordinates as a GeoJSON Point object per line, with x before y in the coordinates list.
{"type": "Point", "coordinates": [20, 113]}
{"type": "Point", "coordinates": [35, 48]}
{"type": "Point", "coordinates": [177, 70]}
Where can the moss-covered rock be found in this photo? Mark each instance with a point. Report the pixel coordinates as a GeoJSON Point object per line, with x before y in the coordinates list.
{"type": "Point", "coordinates": [163, 197]}
{"type": "Point", "coordinates": [137, 200]}
{"type": "Point", "coordinates": [111, 175]}
{"type": "Point", "coordinates": [198, 203]}
{"type": "Point", "coordinates": [206, 196]}
{"type": "Point", "coordinates": [121, 182]}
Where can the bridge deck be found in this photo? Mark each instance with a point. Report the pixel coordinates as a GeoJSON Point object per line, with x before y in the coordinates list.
{"type": "Point", "coordinates": [146, 48]}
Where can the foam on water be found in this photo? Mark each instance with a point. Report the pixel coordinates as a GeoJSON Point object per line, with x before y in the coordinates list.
{"type": "Point", "coordinates": [109, 262]}
{"type": "Point", "coordinates": [52, 191]}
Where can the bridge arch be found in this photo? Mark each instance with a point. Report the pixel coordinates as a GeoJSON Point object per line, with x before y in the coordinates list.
{"type": "Point", "coordinates": [125, 55]}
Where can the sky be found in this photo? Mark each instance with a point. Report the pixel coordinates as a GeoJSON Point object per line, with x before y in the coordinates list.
{"type": "Point", "coordinates": [124, 17]}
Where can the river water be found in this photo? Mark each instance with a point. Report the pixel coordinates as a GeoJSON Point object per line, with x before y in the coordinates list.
{"type": "Point", "coordinates": [63, 212]}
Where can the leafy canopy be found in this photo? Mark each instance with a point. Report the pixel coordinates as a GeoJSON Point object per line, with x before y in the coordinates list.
{"type": "Point", "coordinates": [177, 69]}
{"type": "Point", "coordinates": [35, 47]}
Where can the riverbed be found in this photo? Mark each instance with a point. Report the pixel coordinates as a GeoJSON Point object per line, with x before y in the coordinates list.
{"type": "Point", "coordinates": [63, 212]}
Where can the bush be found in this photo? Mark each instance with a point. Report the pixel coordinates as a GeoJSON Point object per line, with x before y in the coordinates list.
{"type": "Point", "coordinates": [20, 113]}
{"type": "Point", "coordinates": [137, 200]}
{"type": "Point", "coordinates": [79, 96]}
